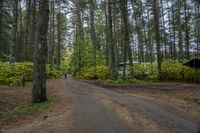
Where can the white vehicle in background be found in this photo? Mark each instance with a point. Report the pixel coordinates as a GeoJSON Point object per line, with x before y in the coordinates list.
{"type": "Point", "coordinates": [121, 66]}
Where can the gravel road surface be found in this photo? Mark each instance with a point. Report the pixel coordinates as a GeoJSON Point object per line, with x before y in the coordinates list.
{"type": "Point", "coordinates": [94, 112]}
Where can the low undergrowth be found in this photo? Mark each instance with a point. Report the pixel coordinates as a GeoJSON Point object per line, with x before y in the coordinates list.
{"type": "Point", "coordinates": [14, 74]}
{"type": "Point", "coordinates": [171, 70]}
{"type": "Point", "coordinates": [28, 109]}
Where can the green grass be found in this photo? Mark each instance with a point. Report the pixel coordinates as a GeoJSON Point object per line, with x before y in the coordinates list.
{"type": "Point", "coordinates": [28, 109]}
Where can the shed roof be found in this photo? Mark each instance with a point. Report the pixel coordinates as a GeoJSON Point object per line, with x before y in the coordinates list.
{"type": "Point", "coordinates": [194, 63]}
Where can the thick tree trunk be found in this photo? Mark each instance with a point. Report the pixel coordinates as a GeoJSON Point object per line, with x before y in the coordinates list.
{"type": "Point", "coordinates": [34, 27]}
{"type": "Point", "coordinates": [197, 31]}
{"type": "Point", "coordinates": [14, 29]}
{"type": "Point", "coordinates": [140, 41]}
{"type": "Point", "coordinates": [174, 32]}
{"type": "Point", "coordinates": [27, 49]}
{"type": "Point", "coordinates": [126, 31]}
{"type": "Point", "coordinates": [93, 32]}
{"type": "Point", "coordinates": [164, 38]}
{"type": "Point", "coordinates": [111, 45]}
{"type": "Point", "coordinates": [39, 80]}
{"type": "Point", "coordinates": [157, 29]}
{"type": "Point", "coordinates": [170, 31]}
{"type": "Point", "coordinates": [58, 59]}
{"type": "Point", "coordinates": [187, 39]}
{"type": "Point", "coordinates": [80, 35]}
{"type": "Point", "coordinates": [52, 39]}
{"type": "Point", "coordinates": [126, 36]}
{"type": "Point", "coordinates": [180, 42]}
{"type": "Point", "coordinates": [1, 23]}
{"type": "Point", "coordinates": [107, 35]}
{"type": "Point", "coordinates": [150, 45]}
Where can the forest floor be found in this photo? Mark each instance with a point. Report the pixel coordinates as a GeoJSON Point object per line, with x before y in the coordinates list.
{"type": "Point", "coordinates": [53, 118]}
{"type": "Point", "coordinates": [95, 106]}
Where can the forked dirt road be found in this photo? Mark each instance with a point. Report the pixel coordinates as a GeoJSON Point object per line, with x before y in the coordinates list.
{"type": "Point", "coordinates": [96, 109]}
{"type": "Point", "coordinates": [99, 110]}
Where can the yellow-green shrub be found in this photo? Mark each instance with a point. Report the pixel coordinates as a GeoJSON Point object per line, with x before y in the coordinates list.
{"type": "Point", "coordinates": [12, 74]}
{"type": "Point", "coordinates": [89, 73]}
{"type": "Point", "coordinates": [174, 70]}
{"type": "Point", "coordinates": [100, 72]}
{"type": "Point", "coordinates": [171, 70]}
{"type": "Point", "coordinates": [143, 71]}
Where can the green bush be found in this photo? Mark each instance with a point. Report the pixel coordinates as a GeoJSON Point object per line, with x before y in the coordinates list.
{"type": "Point", "coordinates": [174, 70]}
{"type": "Point", "coordinates": [12, 74]}
{"type": "Point", "coordinates": [55, 73]}
{"type": "Point", "coordinates": [170, 70]}
{"type": "Point", "coordinates": [142, 71]}
{"type": "Point", "coordinates": [89, 73]}
{"type": "Point", "coordinates": [100, 72]}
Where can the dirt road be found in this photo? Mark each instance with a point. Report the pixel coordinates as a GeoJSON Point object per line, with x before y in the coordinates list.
{"type": "Point", "coordinates": [99, 110]}
{"type": "Point", "coordinates": [95, 109]}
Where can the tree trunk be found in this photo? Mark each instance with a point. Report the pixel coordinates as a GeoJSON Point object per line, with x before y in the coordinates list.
{"type": "Point", "coordinates": [14, 29]}
{"type": "Point", "coordinates": [186, 31]}
{"type": "Point", "coordinates": [34, 28]}
{"type": "Point", "coordinates": [28, 31]}
{"type": "Point", "coordinates": [164, 38]}
{"type": "Point", "coordinates": [174, 32]}
{"type": "Point", "coordinates": [170, 31]}
{"type": "Point", "coordinates": [1, 29]}
{"type": "Point", "coordinates": [197, 31]}
{"type": "Point", "coordinates": [58, 59]}
{"type": "Point", "coordinates": [93, 32]}
{"type": "Point", "coordinates": [20, 52]}
{"type": "Point", "coordinates": [80, 35]}
{"type": "Point", "coordinates": [126, 45]}
{"type": "Point", "coordinates": [52, 39]}
{"type": "Point", "coordinates": [111, 45]}
{"type": "Point", "coordinates": [150, 44]}
{"type": "Point", "coordinates": [180, 42]}
{"type": "Point", "coordinates": [157, 29]}
{"type": "Point", "coordinates": [39, 79]}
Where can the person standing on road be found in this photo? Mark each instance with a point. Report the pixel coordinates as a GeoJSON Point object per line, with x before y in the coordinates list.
{"type": "Point", "coordinates": [23, 80]}
{"type": "Point", "coordinates": [65, 75]}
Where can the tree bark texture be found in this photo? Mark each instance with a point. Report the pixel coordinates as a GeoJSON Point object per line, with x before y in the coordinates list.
{"type": "Point", "coordinates": [39, 81]}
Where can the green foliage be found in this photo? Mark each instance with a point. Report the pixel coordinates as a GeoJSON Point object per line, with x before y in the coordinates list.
{"type": "Point", "coordinates": [28, 109]}
{"type": "Point", "coordinates": [100, 72]}
{"type": "Point", "coordinates": [89, 73]}
{"type": "Point", "coordinates": [170, 70]}
{"type": "Point", "coordinates": [8, 58]}
{"type": "Point", "coordinates": [51, 74]}
{"type": "Point", "coordinates": [174, 70]}
{"type": "Point", "coordinates": [12, 74]}
{"type": "Point", "coordinates": [141, 71]}
{"type": "Point", "coordinates": [82, 57]}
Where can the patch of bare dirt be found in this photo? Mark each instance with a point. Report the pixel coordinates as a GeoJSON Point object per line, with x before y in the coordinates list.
{"type": "Point", "coordinates": [181, 97]}
{"type": "Point", "coordinates": [53, 119]}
